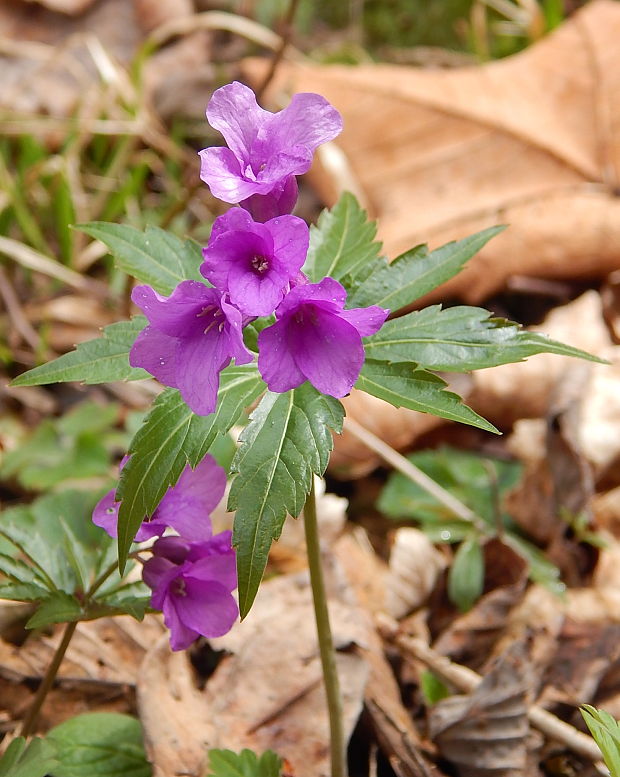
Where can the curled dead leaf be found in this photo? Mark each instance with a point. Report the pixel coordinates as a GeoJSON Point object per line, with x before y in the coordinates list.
{"type": "Point", "coordinates": [443, 154]}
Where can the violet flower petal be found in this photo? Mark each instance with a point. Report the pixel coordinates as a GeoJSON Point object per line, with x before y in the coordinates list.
{"type": "Point", "coordinates": [234, 112]}
{"type": "Point", "coordinates": [329, 352]}
{"type": "Point", "coordinates": [367, 321]}
{"type": "Point", "coordinates": [105, 514]}
{"type": "Point", "coordinates": [187, 506]}
{"type": "Point", "coordinates": [181, 636]}
{"type": "Point", "coordinates": [276, 362]}
{"type": "Point", "coordinates": [156, 353]}
{"type": "Point", "coordinates": [221, 171]}
{"type": "Point", "coordinates": [178, 315]}
{"type": "Point", "coordinates": [280, 200]}
{"type": "Point", "coordinates": [220, 567]}
{"type": "Point", "coordinates": [206, 607]}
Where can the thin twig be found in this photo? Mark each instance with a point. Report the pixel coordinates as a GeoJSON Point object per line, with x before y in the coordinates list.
{"type": "Point", "coordinates": [286, 32]}
{"type": "Point", "coordinates": [415, 474]}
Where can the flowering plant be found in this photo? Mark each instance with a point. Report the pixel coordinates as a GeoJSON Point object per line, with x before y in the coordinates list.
{"type": "Point", "coordinates": [280, 317]}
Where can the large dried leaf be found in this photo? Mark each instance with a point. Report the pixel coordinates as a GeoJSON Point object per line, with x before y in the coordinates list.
{"type": "Point", "coordinates": [532, 140]}
{"type": "Point", "coordinates": [267, 694]}
{"type": "Point", "coordinates": [484, 733]}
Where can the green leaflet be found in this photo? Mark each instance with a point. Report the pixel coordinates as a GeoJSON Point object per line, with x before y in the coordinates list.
{"type": "Point", "coordinates": [459, 339]}
{"type": "Point", "coordinates": [103, 360]}
{"type": "Point", "coordinates": [99, 744]}
{"type": "Point", "coordinates": [156, 257]}
{"type": "Point", "coordinates": [35, 759]}
{"type": "Point", "coordinates": [342, 242]}
{"type": "Point", "coordinates": [606, 732]}
{"type": "Point", "coordinates": [415, 273]}
{"type": "Point", "coordinates": [170, 437]}
{"type": "Point", "coordinates": [405, 385]}
{"type": "Point", "coordinates": [225, 763]}
{"type": "Point", "coordinates": [287, 440]}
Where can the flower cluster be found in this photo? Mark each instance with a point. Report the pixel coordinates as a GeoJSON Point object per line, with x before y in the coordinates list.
{"type": "Point", "coordinates": [192, 575]}
{"type": "Point", "coordinates": [254, 262]}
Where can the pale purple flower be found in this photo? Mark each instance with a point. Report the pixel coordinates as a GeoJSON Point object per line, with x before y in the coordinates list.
{"type": "Point", "coordinates": [266, 150]}
{"type": "Point", "coordinates": [315, 339]}
{"type": "Point", "coordinates": [255, 263]}
{"type": "Point", "coordinates": [185, 507]}
{"type": "Point", "coordinates": [192, 584]}
{"type": "Point", "coordinates": [192, 335]}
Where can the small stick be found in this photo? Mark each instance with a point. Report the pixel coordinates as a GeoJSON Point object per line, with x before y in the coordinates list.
{"type": "Point", "coordinates": [408, 469]}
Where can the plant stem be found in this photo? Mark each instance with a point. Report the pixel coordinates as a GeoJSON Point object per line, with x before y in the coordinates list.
{"type": "Point", "coordinates": [326, 645]}
{"type": "Point", "coordinates": [48, 680]}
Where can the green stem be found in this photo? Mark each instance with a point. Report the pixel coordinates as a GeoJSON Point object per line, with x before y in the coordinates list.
{"type": "Point", "coordinates": [48, 680]}
{"type": "Point", "coordinates": [326, 645]}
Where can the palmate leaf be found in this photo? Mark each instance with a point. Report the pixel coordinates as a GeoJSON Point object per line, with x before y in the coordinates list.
{"type": "Point", "coordinates": [170, 437]}
{"type": "Point", "coordinates": [342, 243]}
{"type": "Point", "coordinates": [155, 257]}
{"type": "Point", "coordinates": [102, 360]}
{"type": "Point", "coordinates": [287, 440]}
{"type": "Point", "coordinates": [414, 273]}
{"type": "Point", "coordinates": [405, 385]}
{"type": "Point", "coordinates": [459, 339]}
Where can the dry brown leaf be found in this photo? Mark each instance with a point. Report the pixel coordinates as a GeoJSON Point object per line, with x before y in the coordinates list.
{"type": "Point", "coordinates": [415, 565]}
{"type": "Point", "coordinates": [267, 694]}
{"type": "Point", "coordinates": [586, 651]}
{"type": "Point", "coordinates": [391, 722]}
{"type": "Point", "coordinates": [485, 732]}
{"type": "Point", "coordinates": [177, 729]}
{"type": "Point", "coordinates": [69, 7]}
{"type": "Point", "coordinates": [532, 140]}
{"type": "Point", "coordinates": [152, 13]}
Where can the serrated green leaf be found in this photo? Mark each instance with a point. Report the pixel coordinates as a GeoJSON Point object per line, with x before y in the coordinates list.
{"type": "Point", "coordinates": [35, 759]}
{"type": "Point", "coordinates": [103, 360]}
{"type": "Point", "coordinates": [288, 438]}
{"type": "Point", "coordinates": [416, 272]}
{"type": "Point", "coordinates": [23, 592]}
{"type": "Point", "coordinates": [170, 437]}
{"type": "Point", "coordinates": [99, 744]}
{"type": "Point", "coordinates": [606, 732]}
{"type": "Point", "coordinates": [403, 385]}
{"type": "Point", "coordinates": [58, 607]}
{"type": "Point", "coordinates": [155, 256]}
{"type": "Point", "coordinates": [17, 570]}
{"type": "Point", "coordinates": [466, 575]}
{"type": "Point", "coordinates": [459, 339]}
{"type": "Point", "coordinates": [342, 242]}
{"type": "Point", "coordinates": [225, 763]}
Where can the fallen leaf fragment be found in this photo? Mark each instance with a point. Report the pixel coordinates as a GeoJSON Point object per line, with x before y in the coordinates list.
{"type": "Point", "coordinates": [530, 140]}
{"type": "Point", "coordinates": [484, 733]}
{"type": "Point", "coordinates": [266, 694]}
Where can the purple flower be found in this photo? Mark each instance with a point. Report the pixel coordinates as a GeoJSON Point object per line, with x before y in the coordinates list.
{"type": "Point", "coordinates": [315, 339]}
{"type": "Point", "coordinates": [192, 584]}
{"type": "Point", "coordinates": [266, 150]}
{"type": "Point", "coordinates": [255, 263]}
{"type": "Point", "coordinates": [193, 334]}
{"type": "Point", "coordinates": [186, 507]}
